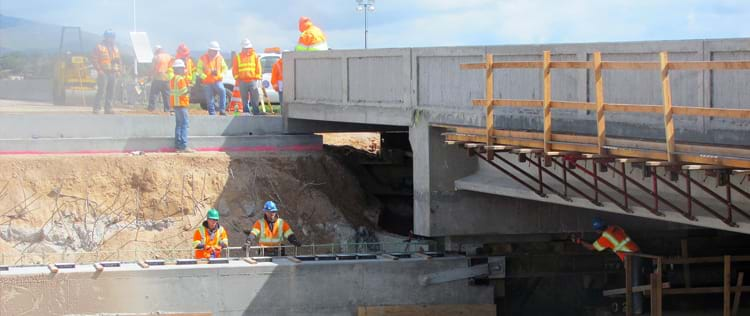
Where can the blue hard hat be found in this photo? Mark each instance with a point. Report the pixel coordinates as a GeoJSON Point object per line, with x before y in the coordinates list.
{"type": "Point", "coordinates": [109, 33]}
{"type": "Point", "coordinates": [598, 223]}
{"type": "Point", "coordinates": [270, 206]}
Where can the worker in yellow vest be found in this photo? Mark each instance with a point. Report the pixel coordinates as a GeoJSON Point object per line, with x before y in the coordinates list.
{"type": "Point", "coordinates": [179, 100]}
{"type": "Point", "coordinates": [271, 231]}
{"type": "Point", "coordinates": [248, 71]}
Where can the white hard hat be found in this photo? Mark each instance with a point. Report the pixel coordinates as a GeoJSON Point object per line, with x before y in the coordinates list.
{"type": "Point", "coordinates": [157, 47]}
{"type": "Point", "coordinates": [246, 43]}
{"type": "Point", "coordinates": [178, 64]}
{"type": "Point", "coordinates": [214, 45]}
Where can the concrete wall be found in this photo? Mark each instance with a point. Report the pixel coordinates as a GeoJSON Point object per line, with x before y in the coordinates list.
{"type": "Point", "coordinates": [279, 288]}
{"type": "Point", "coordinates": [395, 86]}
{"type": "Point", "coordinates": [27, 90]}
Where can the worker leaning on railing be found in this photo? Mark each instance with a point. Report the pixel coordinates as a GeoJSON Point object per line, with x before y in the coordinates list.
{"type": "Point", "coordinates": [271, 231]}
{"type": "Point", "coordinates": [210, 237]}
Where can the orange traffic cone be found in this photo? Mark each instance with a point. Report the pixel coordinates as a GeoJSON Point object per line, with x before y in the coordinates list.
{"type": "Point", "coordinates": [236, 99]}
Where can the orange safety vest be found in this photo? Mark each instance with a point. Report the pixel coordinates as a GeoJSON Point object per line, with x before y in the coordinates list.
{"type": "Point", "coordinates": [179, 94]}
{"type": "Point", "coordinates": [271, 237]}
{"type": "Point", "coordinates": [106, 59]}
{"type": "Point", "coordinates": [617, 240]}
{"type": "Point", "coordinates": [208, 66]}
{"type": "Point", "coordinates": [277, 74]}
{"type": "Point", "coordinates": [210, 241]}
{"type": "Point", "coordinates": [247, 67]}
{"type": "Point", "coordinates": [161, 66]}
{"type": "Point", "coordinates": [311, 37]}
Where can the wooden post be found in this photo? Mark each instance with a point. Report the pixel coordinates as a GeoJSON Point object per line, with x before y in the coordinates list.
{"type": "Point", "coordinates": [686, 267]}
{"type": "Point", "coordinates": [667, 97]}
{"type": "Point", "coordinates": [652, 280]}
{"type": "Point", "coordinates": [489, 94]}
{"type": "Point", "coordinates": [547, 102]}
{"type": "Point", "coordinates": [727, 285]}
{"type": "Point", "coordinates": [600, 120]}
{"type": "Point", "coordinates": [628, 285]}
{"type": "Point", "coordinates": [657, 294]}
{"type": "Point", "coordinates": [737, 294]}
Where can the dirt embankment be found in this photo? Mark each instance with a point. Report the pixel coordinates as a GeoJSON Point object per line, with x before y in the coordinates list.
{"type": "Point", "coordinates": [119, 203]}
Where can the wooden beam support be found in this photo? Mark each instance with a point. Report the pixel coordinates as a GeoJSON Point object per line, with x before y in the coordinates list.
{"type": "Point", "coordinates": [636, 289]}
{"type": "Point", "coordinates": [499, 148]}
{"type": "Point", "coordinates": [143, 264]}
{"type": "Point", "coordinates": [629, 286]}
{"type": "Point", "coordinates": [727, 285]}
{"type": "Point", "coordinates": [572, 64]}
{"type": "Point", "coordinates": [52, 268]}
{"type": "Point", "coordinates": [737, 294]}
{"type": "Point", "coordinates": [630, 65]}
{"type": "Point", "coordinates": [633, 108]}
{"type": "Point", "coordinates": [666, 91]}
{"type": "Point", "coordinates": [568, 105]}
{"type": "Point", "coordinates": [547, 86]}
{"type": "Point", "coordinates": [714, 112]}
{"type": "Point", "coordinates": [601, 127]}
{"type": "Point", "coordinates": [489, 94]}
{"type": "Point", "coordinates": [686, 268]}
{"type": "Point", "coordinates": [710, 65]}
{"type": "Point", "coordinates": [702, 167]}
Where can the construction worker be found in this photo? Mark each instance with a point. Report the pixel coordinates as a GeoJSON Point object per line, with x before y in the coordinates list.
{"type": "Point", "coordinates": [179, 100]}
{"type": "Point", "coordinates": [159, 78]}
{"type": "Point", "coordinates": [247, 70]}
{"type": "Point", "coordinates": [277, 79]}
{"type": "Point", "coordinates": [210, 237]}
{"type": "Point", "coordinates": [106, 60]}
{"type": "Point", "coordinates": [271, 230]}
{"type": "Point", "coordinates": [614, 238]}
{"type": "Point", "coordinates": [183, 53]}
{"type": "Point", "coordinates": [211, 68]}
{"type": "Point", "coordinates": [311, 38]}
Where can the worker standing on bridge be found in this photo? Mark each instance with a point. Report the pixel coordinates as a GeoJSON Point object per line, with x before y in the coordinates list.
{"type": "Point", "coordinates": [311, 38]}
{"type": "Point", "coordinates": [106, 60]}
{"type": "Point", "coordinates": [179, 100]}
{"type": "Point", "coordinates": [614, 238]}
{"type": "Point", "coordinates": [271, 231]}
{"type": "Point", "coordinates": [211, 69]}
{"type": "Point", "coordinates": [183, 53]}
{"type": "Point", "coordinates": [159, 79]}
{"type": "Point", "coordinates": [210, 237]}
{"type": "Point", "coordinates": [277, 79]}
{"type": "Point", "coordinates": [248, 71]}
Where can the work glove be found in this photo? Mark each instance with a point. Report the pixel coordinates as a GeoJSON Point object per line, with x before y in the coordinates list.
{"type": "Point", "coordinates": [575, 239]}
{"type": "Point", "coordinates": [250, 239]}
{"type": "Point", "coordinates": [200, 246]}
{"type": "Point", "coordinates": [223, 244]}
{"type": "Point", "coordinates": [214, 73]}
{"type": "Point", "coordinates": [294, 241]}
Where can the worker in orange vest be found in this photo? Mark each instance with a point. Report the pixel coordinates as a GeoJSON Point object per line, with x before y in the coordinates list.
{"type": "Point", "coordinates": [277, 79]}
{"type": "Point", "coordinates": [311, 38]}
{"type": "Point", "coordinates": [183, 53]}
{"type": "Point", "coordinates": [614, 238]}
{"type": "Point", "coordinates": [106, 61]}
{"type": "Point", "coordinates": [159, 78]}
{"type": "Point", "coordinates": [210, 237]}
{"type": "Point", "coordinates": [210, 71]}
{"type": "Point", "coordinates": [247, 70]}
{"type": "Point", "coordinates": [271, 231]}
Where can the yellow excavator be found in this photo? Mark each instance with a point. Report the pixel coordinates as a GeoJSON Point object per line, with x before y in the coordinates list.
{"type": "Point", "coordinates": [73, 73]}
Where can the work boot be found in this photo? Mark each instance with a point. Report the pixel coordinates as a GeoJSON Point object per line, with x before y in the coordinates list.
{"type": "Point", "coordinates": [186, 150]}
{"type": "Point", "coordinates": [223, 113]}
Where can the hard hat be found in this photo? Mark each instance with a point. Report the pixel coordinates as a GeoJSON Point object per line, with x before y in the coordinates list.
{"type": "Point", "coordinates": [178, 63]}
{"type": "Point", "coordinates": [213, 214]}
{"type": "Point", "coordinates": [246, 43]}
{"type": "Point", "coordinates": [157, 47]}
{"type": "Point", "coordinates": [183, 50]}
{"type": "Point", "coordinates": [270, 206]}
{"type": "Point", "coordinates": [598, 223]}
{"type": "Point", "coordinates": [214, 45]}
{"type": "Point", "coordinates": [109, 33]}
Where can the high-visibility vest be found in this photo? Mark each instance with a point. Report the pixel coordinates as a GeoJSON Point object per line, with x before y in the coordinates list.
{"type": "Point", "coordinates": [277, 75]}
{"type": "Point", "coordinates": [247, 67]}
{"type": "Point", "coordinates": [236, 100]}
{"type": "Point", "coordinates": [271, 237]}
{"type": "Point", "coordinates": [311, 38]}
{"type": "Point", "coordinates": [189, 70]}
{"type": "Point", "coordinates": [201, 235]}
{"type": "Point", "coordinates": [161, 66]}
{"type": "Point", "coordinates": [206, 66]}
{"type": "Point", "coordinates": [179, 94]}
{"type": "Point", "coordinates": [106, 59]}
{"type": "Point", "coordinates": [617, 240]}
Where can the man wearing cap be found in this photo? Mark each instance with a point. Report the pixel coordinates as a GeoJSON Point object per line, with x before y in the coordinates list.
{"type": "Point", "coordinates": [247, 71]}
{"type": "Point", "coordinates": [210, 237]}
{"type": "Point", "coordinates": [210, 71]}
{"type": "Point", "coordinates": [106, 61]}
{"type": "Point", "coordinates": [159, 79]}
{"type": "Point", "coordinates": [271, 230]}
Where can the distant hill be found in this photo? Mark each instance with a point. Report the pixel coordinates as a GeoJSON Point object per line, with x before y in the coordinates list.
{"type": "Point", "coordinates": [21, 35]}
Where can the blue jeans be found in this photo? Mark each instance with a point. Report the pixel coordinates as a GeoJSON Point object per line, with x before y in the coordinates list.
{"type": "Point", "coordinates": [159, 88]}
{"type": "Point", "coordinates": [105, 87]}
{"type": "Point", "coordinates": [252, 87]}
{"type": "Point", "coordinates": [210, 91]}
{"type": "Point", "coordinates": [281, 97]}
{"type": "Point", "coordinates": [181, 128]}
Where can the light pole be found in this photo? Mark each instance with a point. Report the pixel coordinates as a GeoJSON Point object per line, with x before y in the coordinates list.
{"type": "Point", "coordinates": [364, 6]}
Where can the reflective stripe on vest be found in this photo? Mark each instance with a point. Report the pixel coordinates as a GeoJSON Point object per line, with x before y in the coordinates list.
{"type": "Point", "coordinates": [176, 93]}
{"type": "Point", "coordinates": [617, 245]}
{"type": "Point", "coordinates": [205, 238]}
{"type": "Point", "coordinates": [275, 238]}
{"type": "Point", "coordinates": [247, 66]}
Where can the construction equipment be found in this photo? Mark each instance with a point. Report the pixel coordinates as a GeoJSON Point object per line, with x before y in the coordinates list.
{"type": "Point", "coordinates": [72, 70]}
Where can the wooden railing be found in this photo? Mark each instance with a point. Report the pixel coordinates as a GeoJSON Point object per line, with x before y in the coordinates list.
{"type": "Point", "coordinates": [667, 109]}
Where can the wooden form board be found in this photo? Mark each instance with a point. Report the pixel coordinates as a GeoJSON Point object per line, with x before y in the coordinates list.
{"type": "Point", "coordinates": [428, 310]}
{"type": "Point", "coordinates": [672, 152]}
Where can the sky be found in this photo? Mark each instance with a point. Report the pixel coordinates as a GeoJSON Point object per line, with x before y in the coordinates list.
{"type": "Point", "coordinates": [396, 23]}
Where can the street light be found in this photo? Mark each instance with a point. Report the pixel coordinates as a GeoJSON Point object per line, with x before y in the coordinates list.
{"type": "Point", "coordinates": [364, 6]}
